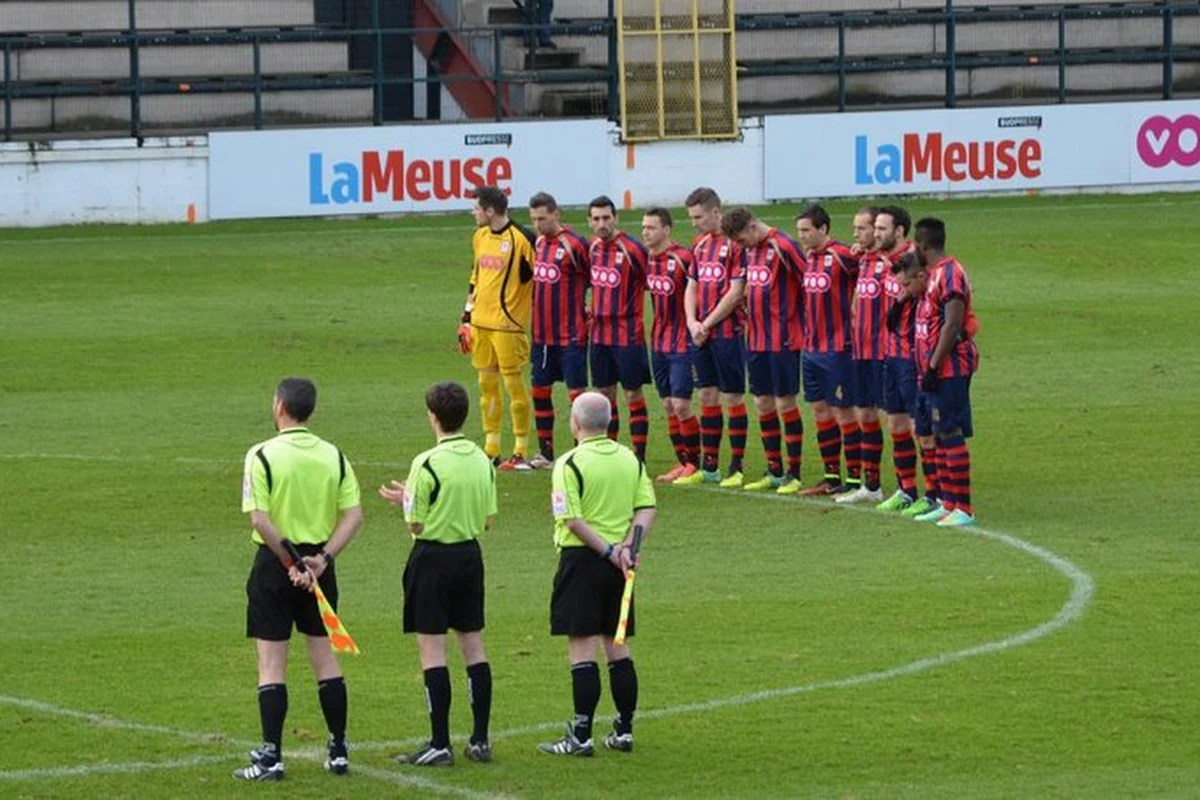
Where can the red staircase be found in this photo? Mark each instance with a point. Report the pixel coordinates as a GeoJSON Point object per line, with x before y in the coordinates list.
{"type": "Point", "coordinates": [449, 55]}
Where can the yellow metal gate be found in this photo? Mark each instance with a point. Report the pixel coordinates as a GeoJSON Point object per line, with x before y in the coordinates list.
{"type": "Point", "coordinates": [678, 69]}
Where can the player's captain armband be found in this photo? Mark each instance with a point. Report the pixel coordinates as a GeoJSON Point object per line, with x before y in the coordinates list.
{"type": "Point", "coordinates": [558, 503]}
{"type": "Point", "coordinates": [409, 500]}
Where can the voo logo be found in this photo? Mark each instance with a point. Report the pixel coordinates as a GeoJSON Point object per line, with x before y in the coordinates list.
{"type": "Point", "coordinates": [606, 276]}
{"type": "Point", "coordinates": [818, 282]}
{"type": "Point", "coordinates": [710, 271]}
{"type": "Point", "coordinates": [1162, 141]}
{"type": "Point", "coordinates": [758, 276]}
{"type": "Point", "coordinates": [546, 273]}
{"type": "Point", "coordinates": [660, 284]}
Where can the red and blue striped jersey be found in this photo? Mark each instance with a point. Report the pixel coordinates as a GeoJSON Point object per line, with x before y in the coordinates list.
{"type": "Point", "coordinates": [774, 276]}
{"type": "Point", "coordinates": [828, 291]}
{"type": "Point", "coordinates": [900, 343]}
{"type": "Point", "coordinates": [666, 279]}
{"type": "Point", "coordinates": [947, 281]}
{"type": "Point", "coordinates": [870, 307]}
{"type": "Point", "coordinates": [618, 269]}
{"type": "Point", "coordinates": [717, 263]}
{"type": "Point", "coordinates": [561, 277]}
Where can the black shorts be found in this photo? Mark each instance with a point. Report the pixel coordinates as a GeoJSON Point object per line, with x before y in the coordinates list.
{"type": "Point", "coordinates": [274, 605]}
{"type": "Point", "coordinates": [443, 588]}
{"type": "Point", "coordinates": [586, 600]}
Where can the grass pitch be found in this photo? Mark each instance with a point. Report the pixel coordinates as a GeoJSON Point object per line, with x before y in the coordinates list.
{"type": "Point", "coordinates": [136, 366]}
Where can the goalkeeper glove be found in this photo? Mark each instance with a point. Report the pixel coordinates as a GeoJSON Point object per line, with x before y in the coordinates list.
{"type": "Point", "coordinates": [464, 338]}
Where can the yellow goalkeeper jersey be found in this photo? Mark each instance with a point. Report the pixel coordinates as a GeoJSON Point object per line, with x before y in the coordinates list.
{"type": "Point", "coordinates": [502, 274]}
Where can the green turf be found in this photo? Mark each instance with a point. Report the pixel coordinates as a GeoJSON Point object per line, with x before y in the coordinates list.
{"type": "Point", "coordinates": [136, 366]}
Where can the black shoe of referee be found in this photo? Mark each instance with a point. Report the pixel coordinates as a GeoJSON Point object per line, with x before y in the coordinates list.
{"type": "Point", "coordinates": [479, 751]}
{"type": "Point", "coordinates": [615, 740]}
{"type": "Point", "coordinates": [569, 745]}
{"type": "Point", "coordinates": [338, 761]}
{"type": "Point", "coordinates": [429, 756]}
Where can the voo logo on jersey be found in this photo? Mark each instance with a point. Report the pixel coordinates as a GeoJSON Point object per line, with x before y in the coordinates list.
{"type": "Point", "coordinates": [818, 282]}
{"type": "Point", "coordinates": [710, 271]}
{"type": "Point", "coordinates": [869, 287]}
{"type": "Point", "coordinates": [606, 276]}
{"type": "Point", "coordinates": [660, 285]}
{"type": "Point", "coordinates": [546, 273]}
{"type": "Point", "coordinates": [892, 287]}
{"type": "Point", "coordinates": [758, 276]}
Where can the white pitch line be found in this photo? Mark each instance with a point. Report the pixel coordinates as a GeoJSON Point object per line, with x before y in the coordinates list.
{"type": "Point", "coordinates": [1082, 590]}
{"type": "Point", "coordinates": [105, 721]}
{"type": "Point", "coordinates": [127, 767]}
{"type": "Point", "coordinates": [401, 229]}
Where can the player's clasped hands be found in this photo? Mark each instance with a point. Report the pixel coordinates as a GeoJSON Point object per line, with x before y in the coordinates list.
{"type": "Point", "coordinates": [394, 494]}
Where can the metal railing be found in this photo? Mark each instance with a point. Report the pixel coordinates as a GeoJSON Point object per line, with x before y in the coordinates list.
{"type": "Point", "coordinates": [505, 63]}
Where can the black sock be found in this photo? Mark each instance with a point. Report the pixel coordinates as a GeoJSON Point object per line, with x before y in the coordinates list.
{"type": "Point", "coordinates": [479, 689]}
{"type": "Point", "coordinates": [332, 692]}
{"type": "Point", "coordinates": [585, 681]}
{"type": "Point", "coordinates": [437, 695]}
{"type": "Point", "coordinates": [272, 709]}
{"type": "Point", "coordinates": [622, 679]}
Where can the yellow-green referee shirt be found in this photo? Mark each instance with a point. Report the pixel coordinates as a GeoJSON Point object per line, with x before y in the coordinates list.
{"type": "Point", "coordinates": [601, 482]}
{"type": "Point", "coordinates": [451, 490]}
{"type": "Point", "coordinates": [302, 481]}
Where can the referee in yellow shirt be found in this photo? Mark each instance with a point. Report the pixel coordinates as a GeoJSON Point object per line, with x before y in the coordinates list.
{"type": "Point", "coordinates": [449, 500]}
{"type": "Point", "coordinates": [495, 320]}
{"type": "Point", "coordinates": [599, 492]}
{"type": "Point", "coordinates": [298, 487]}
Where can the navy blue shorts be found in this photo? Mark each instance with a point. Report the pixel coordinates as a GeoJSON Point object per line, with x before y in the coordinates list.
{"type": "Point", "coordinates": [950, 406]}
{"type": "Point", "coordinates": [673, 374]}
{"type": "Point", "coordinates": [900, 386]}
{"type": "Point", "coordinates": [923, 414]}
{"type": "Point", "coordinates": [721, 363]}
{"type": "Point", "coordinates": [612, 364]}
{"type": "Point", "coordinates": [829, 377]}
{"type": "Point", "coordinates": [774, 374]}
{"type": "Point", "coordinates": [559, 362]}
{"type": "Point", "coordinates": [868, 383]}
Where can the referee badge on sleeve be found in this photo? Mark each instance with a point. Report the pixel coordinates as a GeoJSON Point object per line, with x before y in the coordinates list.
{"type": "Point", "coordinates": [558, 503]}
{"type": "Point", "coordinates": [409, 500]}
{"type": "Point", "coordinates": [247, 486]}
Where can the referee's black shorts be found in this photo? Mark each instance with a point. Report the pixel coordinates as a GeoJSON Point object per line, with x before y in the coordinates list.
{"type": "Point", "coordinates": [274, 605]}
{"type": "Point", "coordinates": [586, 600]}
{"type": "Point", "coordinates": [443, 587]}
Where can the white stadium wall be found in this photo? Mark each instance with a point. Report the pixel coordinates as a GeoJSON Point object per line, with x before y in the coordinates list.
{"type": "Point", "coordinates": [430, 168]}
{"type": "Point", "coordinates": [104, 180]}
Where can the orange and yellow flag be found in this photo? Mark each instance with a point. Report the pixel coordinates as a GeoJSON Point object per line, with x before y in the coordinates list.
{"type": "Point", "coordinates": [339, 638]}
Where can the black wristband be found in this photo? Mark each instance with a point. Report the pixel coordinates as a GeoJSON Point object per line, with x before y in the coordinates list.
{"type": "Point", "coordinates": [608, 553]}
{"type": "Point", "coordinates": [325, 554]}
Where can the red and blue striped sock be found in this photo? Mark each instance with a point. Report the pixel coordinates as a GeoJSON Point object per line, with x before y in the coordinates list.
{"type": "Point", "coordinates": [739, 424]}
{"type": "Point", "coordinates": [793, 432]}
{"type": "Point", "coordinates": [689, 435]}
{"type": "Point", "coordinates": [639, 426]}
{"type": "Point", "coordinates": [852, 442]}
{"type": "Point", "coordinates": [872, 453]}
{"type": "Point", "coordinates": [829, 441]}
{"type": "Point", "coordinates": [676, 439]}
{"type": "Point", "coordinates": [957, 466]}
{"type": "Point", "coordinates": [904, 456]}
{"type": "Point", "coordinates": [768, 425]}
{"type": "Point", "coordinates": [710, 436]}
{"type": "Point", "coordinates": [543, 417]}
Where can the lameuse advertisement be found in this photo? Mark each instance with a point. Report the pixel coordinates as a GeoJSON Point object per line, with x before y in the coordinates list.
{"type": "Point", "coordinates": [321, 172]}
{"type": "Point", "coordinates": [990, 149]}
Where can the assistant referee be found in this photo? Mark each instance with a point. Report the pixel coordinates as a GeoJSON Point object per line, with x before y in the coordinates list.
{"type": "Point", "coordinates": [600, 492]}
{"type": "Point", "coordinates": [298, 487]}
{"type": "Point", "coordinates": [449, 500]}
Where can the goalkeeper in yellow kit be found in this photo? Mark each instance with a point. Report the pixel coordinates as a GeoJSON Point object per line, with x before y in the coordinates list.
{"type": "Point", "coordinates": [495, 319]}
